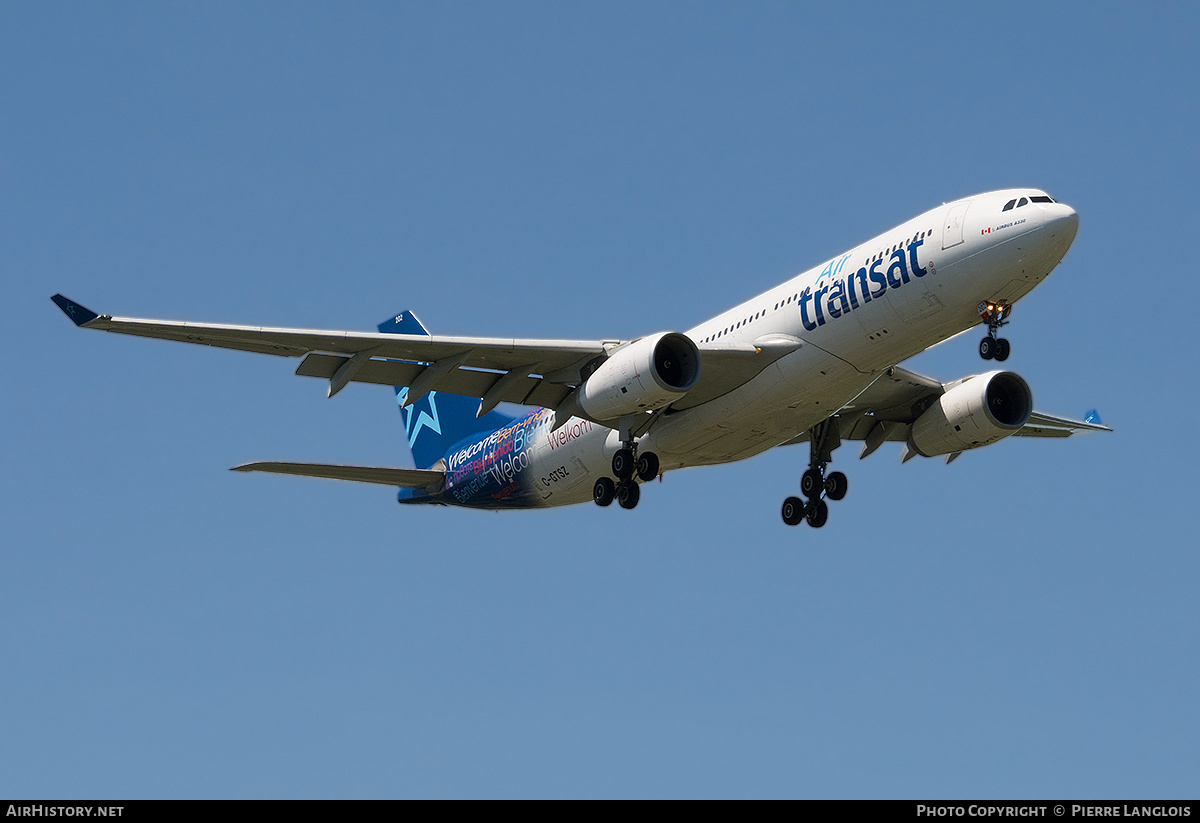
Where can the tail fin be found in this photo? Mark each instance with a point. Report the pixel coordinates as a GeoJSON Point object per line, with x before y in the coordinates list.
{"type": "Point", "coordinates": [438, 421]}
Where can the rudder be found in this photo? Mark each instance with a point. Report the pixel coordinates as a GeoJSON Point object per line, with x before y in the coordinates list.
{"type": "Point", "coordinates": [438, 421]}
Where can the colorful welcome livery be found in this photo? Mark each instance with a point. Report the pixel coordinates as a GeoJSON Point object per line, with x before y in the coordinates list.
{"type": "Point", "coordinates": [812, 360]}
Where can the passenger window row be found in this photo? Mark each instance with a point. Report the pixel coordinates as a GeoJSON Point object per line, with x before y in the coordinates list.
{"type": "Point", "coordinates": [735, 326]}
{"type": "Point", "coordinates": [892, 250]}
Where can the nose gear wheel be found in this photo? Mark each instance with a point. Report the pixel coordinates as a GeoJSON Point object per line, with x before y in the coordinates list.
{"type": "Point", "coordinates": [995, 315]}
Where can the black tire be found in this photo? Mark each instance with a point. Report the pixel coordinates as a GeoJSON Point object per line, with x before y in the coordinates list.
{"type": "Point", "coordinates": [987, 348]}
{"type": "Point", "coordinates": [628, 495]}
{"type": "Point", "coordinates": [604, 491]}
{"type": "Point", "coordinates": [622, 464]}
{"type": "Point", "coordinates": [817, 514]}
{"type": "Point", "coordinates": [812, 484]}
{"type": "Point", "coordinates": [836, 486]}
{"type": "Point", "coordinates": [1002, 349]}
{"type": "Point", "coordinates": [793, 511]}
{"type": "Point", "coordinates": [647, 465]}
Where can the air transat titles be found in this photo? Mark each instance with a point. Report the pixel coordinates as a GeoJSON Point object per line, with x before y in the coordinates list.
{"type": "Point", "coordinates": [842, 296]}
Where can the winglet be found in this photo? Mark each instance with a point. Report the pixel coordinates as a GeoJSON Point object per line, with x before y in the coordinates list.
{"type": "Point", "coordinates": [73, 310]}
{"type": "Point", "coordinates": [1093, 417]}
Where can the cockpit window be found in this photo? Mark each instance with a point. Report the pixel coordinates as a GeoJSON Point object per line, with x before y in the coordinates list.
{"type": "Point", "coordinates": [1009, 205]}
{"type": "Point", "coordinates": [1022, 202]}
{"type": "Point", "coordinates": [1040, 198]}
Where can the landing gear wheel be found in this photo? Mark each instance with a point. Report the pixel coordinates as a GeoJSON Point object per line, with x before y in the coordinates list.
{"type": "Point", "coordinates": [812, 484]}
{"type": "Point", "coordinates": [836, 486]}
{"type": "Point", "coordinates": [987, 348]}
{"type": "Point", "coordinates": [628, 494]}
{"type": "Point", "coordinates": [817, 514]}
{"type": "Point", "coordinates": [604, 491]}
{"type": "Point", "coordinates": [622, 464]}
{"type": "Point", "coordinates": [793, 511]}
{"type": "Point", "coordinates": [1002, 349]}
{"type": "Point", "coordinates": [647, 465]}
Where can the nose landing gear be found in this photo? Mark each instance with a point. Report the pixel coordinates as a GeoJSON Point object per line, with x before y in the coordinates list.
{"type": "Point", "coordinates": [822, 440]}
{"type": "Point", "coordinates": [995, 315]}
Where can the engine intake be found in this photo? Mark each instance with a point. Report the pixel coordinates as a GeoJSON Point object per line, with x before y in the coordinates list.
{"type": "Point", "coordinates": [644, 375]}
{"type": "Point", "coordinates": [977, 412]}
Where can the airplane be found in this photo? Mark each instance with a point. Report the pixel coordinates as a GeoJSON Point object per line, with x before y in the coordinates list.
{"type": "Point", "coordinates": [813, 360]}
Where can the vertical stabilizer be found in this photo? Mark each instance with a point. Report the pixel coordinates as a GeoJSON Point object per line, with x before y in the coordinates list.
{"type": "Point", "coordinates": [437, 421]}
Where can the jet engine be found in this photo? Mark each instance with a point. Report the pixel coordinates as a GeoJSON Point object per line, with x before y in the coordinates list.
{"type": "Point", "coordinates": [641, 376]}
{"type": "Point", "coordinates": [976, 412]}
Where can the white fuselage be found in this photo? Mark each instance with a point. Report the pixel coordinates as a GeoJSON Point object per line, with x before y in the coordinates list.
{"type": "Point", "coordinates": [857, 314]}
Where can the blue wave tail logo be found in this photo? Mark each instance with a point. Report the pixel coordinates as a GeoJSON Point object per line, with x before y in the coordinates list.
{"type": "Point", "coordinates": [438, 422]}
{"type": "Point", "coordinates": [417, 419]}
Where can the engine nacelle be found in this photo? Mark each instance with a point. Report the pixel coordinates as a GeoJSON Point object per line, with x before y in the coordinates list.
{"type": "Point", "coordinates": [644, 375]}
{"type": "Point", "coordinates": [977, 412]}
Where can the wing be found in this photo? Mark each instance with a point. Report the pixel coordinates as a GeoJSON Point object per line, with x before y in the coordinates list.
{"type": "Point", "coordinates": [1045, 425]}
{"type": "Point", "coordinates": [885, 409]}
{"type": "Point", "coordinates": [527, 372]}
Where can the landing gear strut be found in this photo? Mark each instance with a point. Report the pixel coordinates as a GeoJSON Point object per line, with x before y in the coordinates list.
{"type": "Point", "coordinates": [822, 440]}
{"type": "Point", "coordinates": [628, 467]}
{"type": "Point", "coordinates": [995, 315]}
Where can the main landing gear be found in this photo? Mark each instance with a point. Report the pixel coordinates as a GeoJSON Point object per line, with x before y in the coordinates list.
{"type": "Point", "coordinates": [995, 315]}
{"type": "Point", "coordinates": [822, 440]}
{"type": "Point", "coordinates": [625, 464]}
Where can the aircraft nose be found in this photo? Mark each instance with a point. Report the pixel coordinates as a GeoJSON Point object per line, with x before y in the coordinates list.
{"type": "Point", "coordinates": [1061, 218]}
{"type": "Point", "coordinates": [1058, 230]}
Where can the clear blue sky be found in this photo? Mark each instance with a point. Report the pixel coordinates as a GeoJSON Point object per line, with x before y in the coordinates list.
{"type": "Point", "coordinates": [1022, 623]}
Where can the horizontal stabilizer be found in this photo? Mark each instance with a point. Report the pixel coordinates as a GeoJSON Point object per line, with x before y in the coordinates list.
{"type": "Point", "coordinates": [431, 481]}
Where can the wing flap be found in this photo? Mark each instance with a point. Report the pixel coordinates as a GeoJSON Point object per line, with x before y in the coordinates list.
{"type": "Point", "coordinates": [895, 394]}
{"type": "Point", "coordinates": [432, 481]}
{"type": "Point", "coordinates": [529, 391]}
{"type": "Point", "coordinates": [722, 371]}
{"type": "Point", "coordinates": [546, 394]}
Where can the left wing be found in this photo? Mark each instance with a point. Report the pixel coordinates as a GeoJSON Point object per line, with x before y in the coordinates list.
{"type": "Point", "coordinates": [885, 409]}
{"type": "Point", "coordinates": [526, 372]}
{"type": "Point", "coordinates": [1045, 425]}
